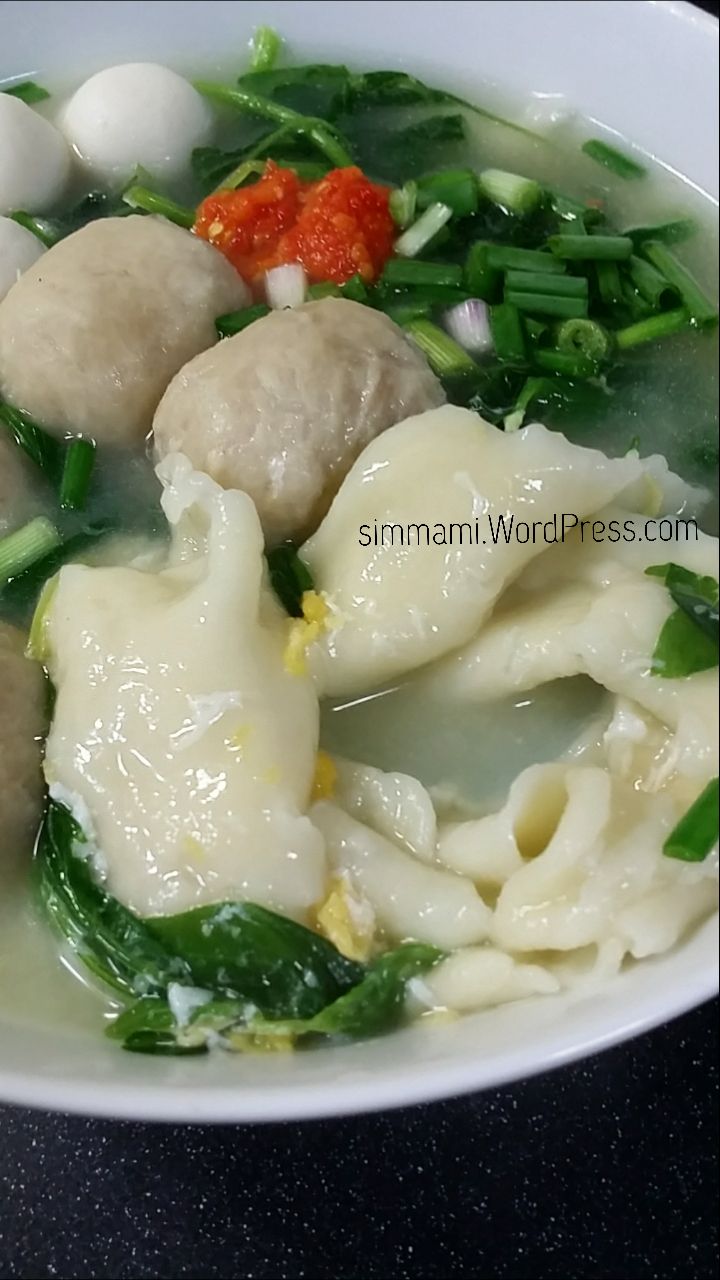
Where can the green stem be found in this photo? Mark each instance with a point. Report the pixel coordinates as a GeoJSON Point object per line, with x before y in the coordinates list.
{"type": "Point", "coordinates": [253, 103]}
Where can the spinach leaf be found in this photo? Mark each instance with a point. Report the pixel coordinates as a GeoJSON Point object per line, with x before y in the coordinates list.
{"type": "Point", "coordinates": [114, 943]}
{"type": "Point", "coordinates": [319, 89]}
{"type": "Point", "coordinates": [688, 641]}
{"type": "Point", "coordinates": [289, 577]}
{"type": "Point", "coordinates": [372, 1007]}
{"type": "Point", "coordinates": [284, 969]}
{"type": "Point", "coordinates": [695, 594]}
{"type": "Point", "coordinates": [682, 649]}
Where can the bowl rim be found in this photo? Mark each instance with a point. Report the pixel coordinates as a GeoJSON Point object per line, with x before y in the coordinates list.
{"type": "Point", "coordinates": [195, 1104]}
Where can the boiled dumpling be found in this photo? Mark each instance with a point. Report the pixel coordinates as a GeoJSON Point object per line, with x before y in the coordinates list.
{"type": "Point", "coordinates": [91, 334]}
{"type": "Point", "coordinates": [178, 738]}
{"type": "Point", "coordinates": [396, 605]}
{"type": "Point", "coordinates": [592, 610]}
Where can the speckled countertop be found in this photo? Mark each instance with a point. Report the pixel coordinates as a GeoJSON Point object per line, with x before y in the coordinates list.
{"type": "Point", "coordinates": [605, 1169]}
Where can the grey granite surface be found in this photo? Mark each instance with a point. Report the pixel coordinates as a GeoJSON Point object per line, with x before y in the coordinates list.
{"type": "Point", "coordinates": [605, 1169]}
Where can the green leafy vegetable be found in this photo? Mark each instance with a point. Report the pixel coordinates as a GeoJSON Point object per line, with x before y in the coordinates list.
{"type": "Point", "coordinates": [323, 135]}
{"type": "Point", "coordinates": [289, 577]}
{"type": "Point", "coordinates": [695, 594]}
{"type": "Point", "coordinates": [27, 91]}
{"type": "Point", "coordinates": [697, 831]}
{"type": "Point", "coordinates": [287, 971]}
{"type": "Point", "coordinates": [688, 641]}
{"type": "Point", "coordinates": [114, 943]}
{"type": "Point", "coordinates": [614, 160]}
{"type": "Point", "coordinates": [373, 1006]}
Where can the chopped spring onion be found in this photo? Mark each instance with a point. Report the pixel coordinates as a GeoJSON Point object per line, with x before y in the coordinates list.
{"type": "Point", "coordinates": [609, 282]}
{"type": "Point", "coordinates": [531, 389]}
{"type": "Point", "coordinates": [457, 188]}
{"type": "Point", "coordinates": [27, 91]}
{"type": "Point", "coordinates": [546, 304]}
{"type": "Point", "coordinates": [22, 548]}
{"type": "Point", "coordinates": [669, 232]}
{"type": "Point", "coordinates": [508, 258]}
{"type": "Point", "coordinates": [445, 356]}
{"type": "Point", "coordinates": [583, 337]}
{"type": "Point", "coordinates": [699, 307]}
{"type": "Point", "coordinates": [469, 324]}
{"type": "Point", "coordinates": [235, 321]}
{"type": "Point", "coordinates": [42, 228]}
{"type": "Point", "coordinates": [414, 240]}
{"type": "Point", "coordinates": [403, 312]}
{"type": "Point", "coordinates": [511, 191]}
{"type": "Point", "coordinates": [591, 248]}
{"type": "Point", "coordinates": [323, 135]}
{"type": "Point", "coordinates": [565, 364]}
{"type": "Point", "coordinates": [77, 472]}
{"type": "Point", "coordinates": [507, 333]}
{"type": "Point", "coordinates": [614, 160]}
{"type": "Point", "coordinates": [151, 202]}
{"type": "Point", "coordinates": [546, 282]}
{"type": "Point", "coordinates": [697, 831]}
{"type": "Point", "coordinates": [410, 271]}
{"type": "Point", "coordinates": [535, 329]}
{"type": "Point", "coordinates": [403, 201]}
{"type": "Point", "coordinates": [265, 49]}
{"type": "Point", "coordinates": [40, 447]}
{"type": "Point", "coordinates": [651, 284]}
{"type": "Point", "coordinates": [285, 286]}
{"type": "Point", "coordinates": [660, 326]}
{"type": "Point", "coordinates": [481, 279]}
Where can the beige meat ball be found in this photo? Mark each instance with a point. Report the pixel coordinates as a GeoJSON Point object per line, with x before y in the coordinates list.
{"type": "Point", "coordinates": [282, 409]}
{"type": "Point", "coordinates": [91, 335]}
{"type": "Point", "coordinates": [22, 719]}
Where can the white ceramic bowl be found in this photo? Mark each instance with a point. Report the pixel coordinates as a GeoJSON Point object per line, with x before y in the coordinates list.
{"type": "Point", "coordinates": [647, 70]}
